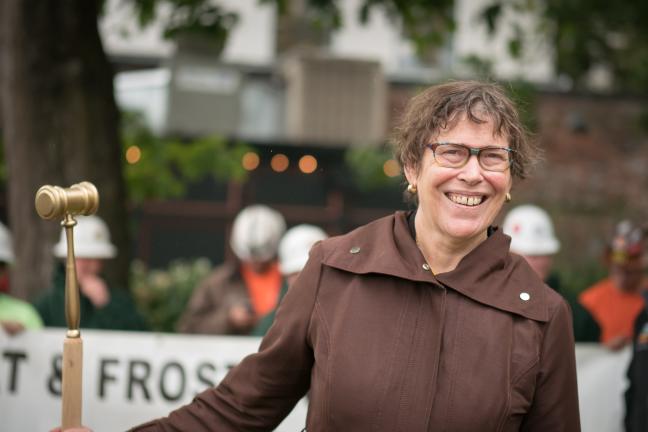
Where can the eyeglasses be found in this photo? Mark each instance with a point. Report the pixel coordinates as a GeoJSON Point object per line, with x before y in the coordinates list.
{"type": "Point", "coordinates": [452, 155]}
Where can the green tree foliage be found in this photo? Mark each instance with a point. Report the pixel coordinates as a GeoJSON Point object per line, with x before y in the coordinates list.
{"type": "Point", "coordinates": [366, 165]}
{"type": "Point", "coordinates": [585, 34]}
{"type": "Point", "coordinates": [166, 166]}
{"type": "Point", "coordinates": [576, 278]}
{"type": "Point", "coordinates": [197, 17]}
{"type": "Point", "coordinates": [425, 22]}
{"type": "Point", "coordinates": [162, 294]}
{"type": "Point", "coordinates": [524, 94]}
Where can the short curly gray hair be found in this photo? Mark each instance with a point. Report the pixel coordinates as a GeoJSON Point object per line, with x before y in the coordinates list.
{"type": "Point", "coordinates": [441, 106]}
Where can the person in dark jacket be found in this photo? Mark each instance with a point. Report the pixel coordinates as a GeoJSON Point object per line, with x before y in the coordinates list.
{"type": "Point", "coordinates": [237, 294]}
{"type": "Point", "coordinates": [636, 397]}
{"type": "Point", "coordinates": [421, 320]}
{"type": "Point", "coordinates": [101, 306]}
{"type": "Point", "coordinates": [616, 301]}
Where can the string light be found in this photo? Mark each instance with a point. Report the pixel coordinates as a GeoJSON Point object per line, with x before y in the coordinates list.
{"type": "Point", "coordinates": [279, 162]}
{"type": "Point", "coordinates": [391, 168]}
{"type": "Point", "coordinates": [250, 161]}
{"type": "Point", "coordinates": [307, 164]}
{"type": "Point", "coordinates": [133, 154]}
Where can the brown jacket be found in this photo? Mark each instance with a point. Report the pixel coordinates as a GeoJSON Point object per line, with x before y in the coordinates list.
{"type": "Point", "coordinates": [384, 345]}
{"type": "Point", "coordinates": [209, 305]}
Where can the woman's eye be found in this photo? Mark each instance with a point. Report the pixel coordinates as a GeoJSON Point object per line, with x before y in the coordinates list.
{"type": "Point", "coordinates": [453, 151]}
{"type": "Point", "coordinates": [495, 156]}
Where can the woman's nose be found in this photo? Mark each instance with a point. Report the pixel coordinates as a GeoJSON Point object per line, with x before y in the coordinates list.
{"type": "Point", "coordinates": [472, 171]}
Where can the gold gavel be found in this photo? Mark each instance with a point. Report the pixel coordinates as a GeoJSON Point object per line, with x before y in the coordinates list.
{"type": "Point", "coordinates": [79, 199]}
{"type": "Point", "coordinates": [54, 202]}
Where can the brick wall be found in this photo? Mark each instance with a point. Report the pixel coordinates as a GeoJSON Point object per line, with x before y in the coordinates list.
{"type": "Point", "coordinates": [595, 170]}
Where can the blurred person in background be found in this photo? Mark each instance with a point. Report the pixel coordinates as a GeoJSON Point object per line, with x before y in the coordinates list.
{"type": "Point", "coordinates": [294, 248]}
{"type": "Point", "coordinates": [232, 299]}
{"type": "Point", "coordinates": [421, 320]}
{"type": "Point", "coordinates": [636, 397]}
{"type": "Point", "coordinates": [533, 237]}
{"type": "Point", "coordinates": [616, 301]}
{"type": "Point", "coordinates": [102, 307]}
{"type": "Point", "coordinates": [15, 315]}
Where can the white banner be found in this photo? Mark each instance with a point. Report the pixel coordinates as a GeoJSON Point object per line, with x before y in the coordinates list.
{"type": "Point", "coordinates": [601, 386]}
{"type": "Point", "coordinates": [130, 378]}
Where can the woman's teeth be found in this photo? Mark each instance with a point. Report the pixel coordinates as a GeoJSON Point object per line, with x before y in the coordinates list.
{"type": "Point", "coordinates": [466, 200]}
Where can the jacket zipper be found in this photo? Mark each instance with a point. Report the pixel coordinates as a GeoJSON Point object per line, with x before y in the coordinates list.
{"type": "Point", "coordinates": [436, 364]}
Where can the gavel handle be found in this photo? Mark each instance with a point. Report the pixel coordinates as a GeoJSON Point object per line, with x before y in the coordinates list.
{"type": "Point", "coordinates": [71, 382]}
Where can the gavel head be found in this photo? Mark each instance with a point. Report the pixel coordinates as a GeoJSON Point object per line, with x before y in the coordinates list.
{"type": "Point", "coordinates": [55, 202]}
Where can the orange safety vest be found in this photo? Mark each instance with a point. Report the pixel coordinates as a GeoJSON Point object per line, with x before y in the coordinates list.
{"type": "Point", "coordinates": [614, 311]}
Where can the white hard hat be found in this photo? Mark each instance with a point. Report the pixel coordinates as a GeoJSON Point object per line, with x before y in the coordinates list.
{"type": "Point", "coordinates": [91, 240]}
{"type": "Point", "coordinates": [6, 249]}
{"type": "Point", "coordinates": [295, 245]}
{"type": "Point", "coordinates": [531, 231]}
{"type": "Point", "coordinates": [256, 233]}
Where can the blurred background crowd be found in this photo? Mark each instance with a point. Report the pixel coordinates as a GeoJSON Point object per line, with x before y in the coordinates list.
{"type": "Point", "coordinates": [240, 295]}
{"type": "Point", "coordinates": [182, 113]}
{"type": "Point", "coordinates": [227, 136]}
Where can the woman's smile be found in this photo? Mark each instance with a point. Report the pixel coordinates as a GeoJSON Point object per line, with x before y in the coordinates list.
{"type": "Point", "coordinates": [467, 200]}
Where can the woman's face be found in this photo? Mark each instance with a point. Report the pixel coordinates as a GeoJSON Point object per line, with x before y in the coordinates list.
{"type": "Point", "coordinates": [443, 192]}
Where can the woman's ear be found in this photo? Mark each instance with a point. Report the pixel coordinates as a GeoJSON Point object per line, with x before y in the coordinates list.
{"type": "Point", "coordinates": [410, 175]}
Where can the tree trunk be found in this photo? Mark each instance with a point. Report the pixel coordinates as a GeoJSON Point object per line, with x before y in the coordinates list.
{"type": "Point", "coordinates": [60, 126]}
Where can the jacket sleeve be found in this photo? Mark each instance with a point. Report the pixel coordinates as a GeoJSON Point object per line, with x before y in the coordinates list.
{"type": "Point", "coordinates": [555, 402]}
{"type": "Point", "coordinates": [258, 393]}
{"type": "Point", "coordinates": [205, 312]}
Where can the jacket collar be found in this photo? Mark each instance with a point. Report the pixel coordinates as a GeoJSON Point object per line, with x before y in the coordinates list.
{"type": "Point", "coordinates": [488, 274]}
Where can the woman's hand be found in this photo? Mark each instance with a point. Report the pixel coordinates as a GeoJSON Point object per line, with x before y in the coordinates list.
{"type": "Point", "coordinates": [93, 287]}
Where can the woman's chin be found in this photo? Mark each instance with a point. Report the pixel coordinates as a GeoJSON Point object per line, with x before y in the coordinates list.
{"type": "Point", "coordinates": [465, 231]}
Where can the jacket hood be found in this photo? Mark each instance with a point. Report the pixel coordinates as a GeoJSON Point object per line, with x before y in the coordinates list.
{"type": "Point", "coordinates": [489, 274]}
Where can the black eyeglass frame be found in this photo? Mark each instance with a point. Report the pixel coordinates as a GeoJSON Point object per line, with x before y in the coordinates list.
{"type": "Point", "coordinates": [472, 151]}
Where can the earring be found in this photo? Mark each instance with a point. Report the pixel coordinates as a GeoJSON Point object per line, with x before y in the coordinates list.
{"type": "Point", "coordinates": [411, 188]}
{"type": "Point", "coordinates": [507, 197]}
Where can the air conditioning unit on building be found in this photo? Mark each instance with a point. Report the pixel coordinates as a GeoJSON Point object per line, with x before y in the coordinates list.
{"type": "Point", "coordinates": [333, 101]}
{"type": "Point", "coordinates": [204, 96]}
{"type": "Point", "coordinates": [193, 96]}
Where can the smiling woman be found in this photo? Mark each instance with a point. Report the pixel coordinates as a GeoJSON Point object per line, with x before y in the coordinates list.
{"type": "Point", "coordinates": [459, 195]}
{"type": "Point", "coordinates": [422, 320]}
